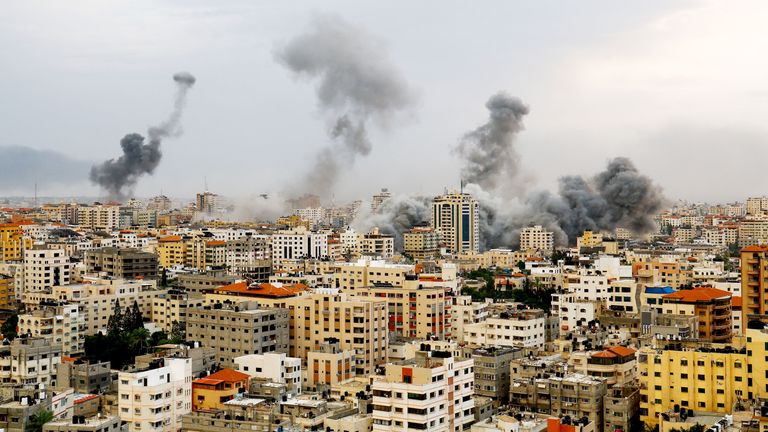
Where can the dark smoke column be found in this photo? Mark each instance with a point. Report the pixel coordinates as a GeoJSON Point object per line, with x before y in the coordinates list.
{"type": "Point", "coordinates": [488, 152]}
{"type": "Point", "coordinates": [355, 84]}
{"type": "Point", "coordinates": [118, 176]}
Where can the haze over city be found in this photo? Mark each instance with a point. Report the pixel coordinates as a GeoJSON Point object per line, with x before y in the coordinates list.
{"type": "Point", "coordinates": [674, 85]}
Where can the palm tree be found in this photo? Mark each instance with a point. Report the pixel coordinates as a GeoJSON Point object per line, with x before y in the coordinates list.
{"type": "Point", "coordinates": [137, 339]}
{"type": "Point", "coordinates": [36, 421]}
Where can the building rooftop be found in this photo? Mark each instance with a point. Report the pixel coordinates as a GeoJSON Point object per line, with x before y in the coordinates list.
{"type": "Point", "coordinates": [273, 290]}
{"type": "Point", "coordinates": [699, 294]}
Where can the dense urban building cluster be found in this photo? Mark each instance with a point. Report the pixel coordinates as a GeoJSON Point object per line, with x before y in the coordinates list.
{"type": "Point", "coordinates": [155, 315]}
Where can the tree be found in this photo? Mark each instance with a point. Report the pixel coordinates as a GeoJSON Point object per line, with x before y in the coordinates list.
{"type": "Point", "coordinates": [116, 321]}
{"type": "Point", "coordinates": [178, 331]}
{"type": "Point", "coordinates": [164, 278]}
{"type": "Point", "coordinates": [9, 327]}
{"type": "Point", "coordinates": [36, 421]}
{"type": "Point", "coordinates": [133, 319]}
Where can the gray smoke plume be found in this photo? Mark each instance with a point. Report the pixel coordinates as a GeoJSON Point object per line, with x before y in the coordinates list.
{"type": "Point", "coordinates": [488, 151]}
{"type": "Point", "coordinates": [617, 197]}
{"type": "Point", "coordinates": [356, 84]}
{"type": "Point", "coordinates": [395, 216]}
{"type": "Point", "coordinates": [21, 167]}
{"type": "Point", "coordinates": [120, 175]}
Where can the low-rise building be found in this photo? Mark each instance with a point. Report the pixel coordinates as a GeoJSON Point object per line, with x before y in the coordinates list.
{"type": "Point", "coordinates": [523, 328]}
{"type": "Point", "coordinates": [275, 367]}
{"type": "Point", "coordinates": [209, 393]}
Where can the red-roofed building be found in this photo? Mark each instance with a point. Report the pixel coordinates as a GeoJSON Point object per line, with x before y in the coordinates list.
{"type": "Point", "coordinates": [712, 306]}
{"type": "Point", "coordinates": [616, 364]}
{"type": "Point", "coordinates": [270, 294]}
{"type": "Point", "coordinates": [211, 392]}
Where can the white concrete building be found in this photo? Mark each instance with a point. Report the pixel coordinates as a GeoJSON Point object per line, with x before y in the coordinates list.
{"type": "Point", "coordinates": [430, 392]}
{"type": "Point", "coordinates": [155, 399]}
{"type": "Point", "coordinates": [520, 329]}
{"type": "Point", "coordinates": [277, 367]}
{"type": "Point", "coordinates": [298, 243]}
{"type": "Point", "coordinates": [45, 268]}
{"type": "Point", "coordinates": [465, 312]}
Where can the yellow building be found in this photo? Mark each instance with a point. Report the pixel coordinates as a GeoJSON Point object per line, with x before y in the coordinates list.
{"type": "Point", "coordinates": [589, 240]}
{"type": "Point", "coordinates": [11, 242]}
{"type": "Point", "coordinates": [7, 292]}
{"type": "Point", "coordinates": [211, 392]}
{"type": "Point", "coordinates": [357, 323]}
{"type": "Point", "coordinates": [171, 251]}
{"type": "Point", "coordinates": [708, 379]}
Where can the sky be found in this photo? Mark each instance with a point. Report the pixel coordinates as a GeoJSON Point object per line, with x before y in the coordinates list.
{"type": "Point", "coordinates": [680, 87]}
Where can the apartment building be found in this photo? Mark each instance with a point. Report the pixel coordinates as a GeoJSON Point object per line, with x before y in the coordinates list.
{"type": "Point", "coordinates": [560, 394]}
{"type": "Point", "coordinates": [29, 360]}
{"type": "Point", "coordinates": [275, 367]}
{"type": "Point", "coordinates": [82, 376]}
{"type": "Point", "coordinates": [421, 243]}
{"type": "Point", "coordinates": [524, 328]}
{"type": "Point", "coordinates": [7, 291]}
{"type": "Point", "coordinates": [538, 239]}
{"type": "Point", "coordinates": [46, 268]}
{"type": "Point", "coordinates": [616, 364]}
{"type": "Point", "coordinates": [367, 272]}
{"type": "Point", "coordinates": [492, 371]}
{"type": "Point", "coordinates": [754, 283]}
{"type": "Point", "coordinates": [123, 263]}
{"type": "Point", "coordinates": [234, 330]}
{"type": "Point", "coordinates": [456, 217]}
{"type": "Point", "coordinates": [432, 392]}
{"type": "Point", "coordinates": [621, 407]}
{"type": "Point", "coordinates": [171, 251]}
{"type": "Point", "coordinates": [171, 307]}
{"type": "Point", "coordinates": [156, 398]}
{"type": "Point", "coordinates": [99, 217]}
{"type": "Point", "coordinates": [298, 243]}
{"type": "Point", "coordinates": [358, 324]}
{"type": "Point", "coordinates": [375, 244]}
{"type": "Point", "coordinates": [249, 256]}
{"type": "Point", "coordinates": [659, 273]}
{"type": "Point", "coordinates": [97, 298]}
{"type": "Point", "coordinates": [61, 325]}
{"type": "Point", "coordinates": [753, 232]}
{"type": "Point", "coordinates": [12, 242]}
{"type": "Point", "coordinates": [329, 366]}
{"type": "Point", "coordinates": [712, 307]}
{"type": "Point", "coordinates": [463, 312]}
{"type": "Point", "coordinates": [414, 311]}
{"type": "Point", "coordinates": [212, 391]}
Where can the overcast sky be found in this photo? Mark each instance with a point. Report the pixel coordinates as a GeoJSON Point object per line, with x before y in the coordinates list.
{"type": "Point", "coordinates": [681, 87]}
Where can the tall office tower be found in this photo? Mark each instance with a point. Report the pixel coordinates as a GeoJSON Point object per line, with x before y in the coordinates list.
{"type": "Point", "coordinates": [379, 198]}
{"type": "Point", "coordinates": [455, 216]}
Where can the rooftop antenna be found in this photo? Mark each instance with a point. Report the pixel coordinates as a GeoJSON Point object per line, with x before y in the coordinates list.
{"type": "Point", "coordinates": [205, 181]}
{"type": "Point", "coordinates": [35, 194]}
{"type": "Point", "coordinates": [461, 185]}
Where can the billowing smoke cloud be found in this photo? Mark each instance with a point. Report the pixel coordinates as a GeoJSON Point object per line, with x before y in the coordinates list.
{"type": "Point", "coordinates": [395, 216]}
{"type": "Point", "coordinates": [488, 151]}
{"type": "Point", "coordinates": [118, 176]}
{"type": "Point", "coordinates": [619, 196]}
{"type": "Point", "coordinates": [355, 85]}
